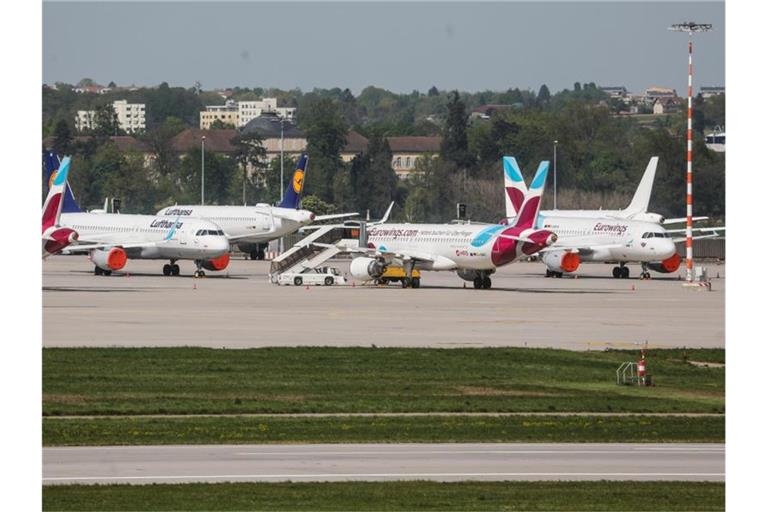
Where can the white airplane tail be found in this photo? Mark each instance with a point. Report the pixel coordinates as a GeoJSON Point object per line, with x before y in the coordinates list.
{"type": "Point", "coordinates": [642, 195]}
{"type": "Point", "coordinates": [514, 186]}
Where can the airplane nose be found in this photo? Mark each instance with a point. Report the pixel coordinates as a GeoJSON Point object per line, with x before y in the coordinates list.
{"type": "Point", "coordinates": [221, 245]}
{"type": "Point", "coordinates": [666, 249]}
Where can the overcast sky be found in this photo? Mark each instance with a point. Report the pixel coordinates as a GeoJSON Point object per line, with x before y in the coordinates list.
{"type": "Point", "coordinates": [400, 46]}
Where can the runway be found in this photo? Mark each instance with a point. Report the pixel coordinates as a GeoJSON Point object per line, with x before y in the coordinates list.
{"type": "Point", "coordinates": [377, 462]}
{"type": "Point", "coordinates": [239, 308]}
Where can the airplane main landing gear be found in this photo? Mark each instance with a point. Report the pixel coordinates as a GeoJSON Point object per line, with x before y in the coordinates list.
{"type": "Point", "coordinates": [171, 269]}
{"type": "Point", "coordinates": [98, 271]}
{"type": "Point", "coordinates": [482, 282]}
{"type": "Point", "coordinates": [621, 272]}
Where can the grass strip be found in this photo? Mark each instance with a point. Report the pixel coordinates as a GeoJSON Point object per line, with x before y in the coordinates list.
{"type": "Point", "coordinates": [255, 430]}
{"type": "Point", "coordinates": [187, 380]}
{"type": "Point", "coordinates": [390, 496]}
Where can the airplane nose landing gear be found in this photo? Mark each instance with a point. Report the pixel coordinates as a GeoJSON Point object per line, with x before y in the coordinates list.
{"type": "Point", "coordinates": [199, 272]}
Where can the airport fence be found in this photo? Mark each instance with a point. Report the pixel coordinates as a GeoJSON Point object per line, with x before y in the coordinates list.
{"type": "Point", "coordinates": [705, 248]}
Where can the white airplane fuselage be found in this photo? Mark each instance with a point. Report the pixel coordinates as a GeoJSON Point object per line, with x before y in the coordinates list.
{"type": "Point", "coordinates": [456, 246]}
{"type": "Point", "coordinates": [191, 239]}
{"type": "Point", "coordinates": [613, 240]}
{"type": "Point", "coordinates": [250, 224]}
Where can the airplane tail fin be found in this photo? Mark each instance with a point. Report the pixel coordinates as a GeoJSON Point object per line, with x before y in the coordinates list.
{"type": "Point", "coordinates": [642, 195]}
{"type": "Point", "coordinates": [529, 209]}
{"type": "Point", "coordinates": [514, 186]}
{"type": "Point", "coordinates": [52, 164]}
{"type": "Point", "coordinates": [293, 193]}
{"type": "Point", "coordinates": [55, 200]}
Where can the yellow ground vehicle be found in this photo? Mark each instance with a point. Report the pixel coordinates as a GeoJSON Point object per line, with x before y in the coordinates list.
{"type": "Point", "coordinates": [395, 274]}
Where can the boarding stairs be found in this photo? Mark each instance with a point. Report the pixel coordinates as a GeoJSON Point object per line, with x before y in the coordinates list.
{"type": "Point", "coordinates": [311, 251]}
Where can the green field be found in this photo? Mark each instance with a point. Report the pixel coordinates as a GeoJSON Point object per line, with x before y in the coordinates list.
{"type": "Point", "coordinates": [255, 429]}
{"type": "Point", "coordinates": [123, 381]}
{"type": "Point", "coordinates": [530, 496]}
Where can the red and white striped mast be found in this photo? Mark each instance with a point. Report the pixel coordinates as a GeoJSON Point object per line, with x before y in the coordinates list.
{"type": "Point", "coordinates": [689, 27]}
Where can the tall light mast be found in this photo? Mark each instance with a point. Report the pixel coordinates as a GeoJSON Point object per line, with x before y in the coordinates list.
{"type": "Point", "coordinates": [690, 27]}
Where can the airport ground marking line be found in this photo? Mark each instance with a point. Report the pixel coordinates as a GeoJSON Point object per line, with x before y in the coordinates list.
{"type": "Point", "coordinates": [381, 475]}
{"type": "Point", "coordinates": [483, 452]}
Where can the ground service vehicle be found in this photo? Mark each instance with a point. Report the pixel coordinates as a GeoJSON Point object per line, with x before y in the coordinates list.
{"type": "Point", "coordinates": [397, 274]}
{"type": "Point", "coordinates": [325, 276]}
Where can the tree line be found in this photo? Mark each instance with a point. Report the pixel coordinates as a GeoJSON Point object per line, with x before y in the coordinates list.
{"type": "Point", "coordinates": [600, 155]}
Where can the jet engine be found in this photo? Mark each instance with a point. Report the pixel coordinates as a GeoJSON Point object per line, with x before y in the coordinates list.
{"type": "Point", "coordinates": [366, 269]}
{"type": "Point", "coordinates": [667, 266]}
{"type": "Point", "coordinates": [561, 261]}
{"type": "Point", "coordinates": [470, 275]}
{"type": "Point", "coordinates": [219, 263]}
{"type": "Point", "coordinates": [109, 259]}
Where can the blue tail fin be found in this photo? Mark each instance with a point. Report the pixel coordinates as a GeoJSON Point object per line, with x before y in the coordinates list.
{"type": "Point", "coordinates": [52, 163]}
{"type": "Point", "coordinates": [295, 188]}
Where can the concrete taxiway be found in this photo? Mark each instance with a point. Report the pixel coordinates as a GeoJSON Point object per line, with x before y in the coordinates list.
{"type": "Point", "coordinates": [239, 308]}
{"type": "Point", "coordinates": [335, 462]}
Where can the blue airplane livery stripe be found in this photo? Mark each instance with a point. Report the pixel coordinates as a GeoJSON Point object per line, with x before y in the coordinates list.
{"type": "Point", "coordinates": [541, 175]}
{"type": "Point", "coordinates": [485, 235]}
{"type": "Point", "coordinates": [511, 169]}
{"type": "Point", "coordinates": [61, 174]}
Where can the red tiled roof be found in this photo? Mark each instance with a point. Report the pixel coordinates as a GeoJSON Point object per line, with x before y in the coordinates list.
{"type": "Point", "coordinates": [217, 141]}
{"type": "Point", "coordinates": [123, 142]}
{"type": "Point", "coordinates": [356, 143]}
{"type": "Point", "coordinates": [414, 144]}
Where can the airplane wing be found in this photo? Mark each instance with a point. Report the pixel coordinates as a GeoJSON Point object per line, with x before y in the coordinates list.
{"type": "Point", "coordinates": [680, 220]}
{"type": "Point", "coordinates": [704, 230]}
{"type": "Point", "coordinates": [697, 237]}
{"type": "Point", "coordinates": [251, 235]}
{"type": "Point", "coordinates": [335, 216]}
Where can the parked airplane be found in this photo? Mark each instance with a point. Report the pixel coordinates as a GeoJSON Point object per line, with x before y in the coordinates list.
{"type": "Point", "coordinates": [254, 226]}
{"type": "Point", "coordinates": [474, 251]}
{"type": "Point", "coordinates": [615, 236]}
{"type": "Point", "coordinates": [55, 237]}
{"type": "Point", "coordinates": [110, 239]}
{"type": "Point", "coordinates": [637, 209]}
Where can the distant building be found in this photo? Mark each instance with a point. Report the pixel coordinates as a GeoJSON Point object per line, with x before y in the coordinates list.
{"type": "Point", "coordinates": [615, 91]}
{"type": "Point", "coordinates": [92, 89]}
{"type": "Point", "coordinates": [665, 105]}
{"type": "Point", "coordinates": [486, 111]}
{"type": "Point", "coordinates": [653, 93]}
{"type": "Point", "coordinates": [216, 141]}
{"type": "Point", "coordinates": [405, 151]}
{"type": "Point", "coordinates": [708, 92]}
{"type": "Point", "coordinates": [716, 140]}
{"type": "Point", "coordinates": [240, 113]}
{"type": "Point", "coordinates": [227, 114]}
{"type": "Point", "coordinates": [268, 127]}
{"type": "Point", "coordinates": [248, 110]}
{"type": "Point", "coordinates": [130, 116]}
{"type": "Point", "coordinates": [356, 145]}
